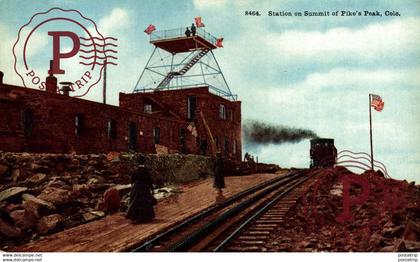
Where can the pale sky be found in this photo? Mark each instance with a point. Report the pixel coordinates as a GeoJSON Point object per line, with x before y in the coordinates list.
{"type": "Point", "coordinates": [305, 72]}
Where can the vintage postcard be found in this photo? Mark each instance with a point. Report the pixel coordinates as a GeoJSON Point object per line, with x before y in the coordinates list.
{"type": "Point", "coordinates": [209, 126]}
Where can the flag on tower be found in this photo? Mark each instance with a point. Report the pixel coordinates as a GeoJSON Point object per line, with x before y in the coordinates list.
{"type": "Point", "coordinates": [377, 103]}
{"type": "Point", "coordinates": [198, 22]}
{"type": "Point", "coordinates": [150, 29]}
{"type": "Point", "coordinates": [219, 42]}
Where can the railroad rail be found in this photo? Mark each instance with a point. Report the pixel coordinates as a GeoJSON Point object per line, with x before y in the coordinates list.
{"type": "Point", "coordinates": [206, 230]}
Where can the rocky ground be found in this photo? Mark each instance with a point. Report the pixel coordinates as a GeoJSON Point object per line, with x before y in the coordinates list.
{"type": "Point", "coordinates": [384, 215]}
{"type": "Point", "coordinates": [41, 194]}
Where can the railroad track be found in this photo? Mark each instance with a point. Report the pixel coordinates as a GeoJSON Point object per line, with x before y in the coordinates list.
{"type": "Point", "coordinates": [224, 227]}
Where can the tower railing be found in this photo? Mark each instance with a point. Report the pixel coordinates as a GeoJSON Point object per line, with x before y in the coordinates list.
{"type": "Point", "coordinates": [180, 32]}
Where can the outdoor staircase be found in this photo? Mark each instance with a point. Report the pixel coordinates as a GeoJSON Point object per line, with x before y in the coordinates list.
{"type": "Point", "coordinates": [184, 70]}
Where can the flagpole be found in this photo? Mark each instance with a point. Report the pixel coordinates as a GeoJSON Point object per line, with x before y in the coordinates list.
{"type": "Point", "coordinates": [370, 125]}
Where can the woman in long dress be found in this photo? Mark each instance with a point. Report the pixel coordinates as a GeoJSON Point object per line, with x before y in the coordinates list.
{"type": "Point", "coordinates": [140, 208]}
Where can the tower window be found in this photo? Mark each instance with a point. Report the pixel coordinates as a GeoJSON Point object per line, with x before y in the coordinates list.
{"type": "Point", "coordinates": [192, 106]}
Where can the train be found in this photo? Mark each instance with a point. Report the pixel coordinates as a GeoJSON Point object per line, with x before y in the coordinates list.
{"type": "Point", "coordinates": [322, 153]}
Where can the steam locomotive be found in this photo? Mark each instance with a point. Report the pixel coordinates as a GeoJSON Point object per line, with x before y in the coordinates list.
{"type": "Point", "coordinates": [323, 152]}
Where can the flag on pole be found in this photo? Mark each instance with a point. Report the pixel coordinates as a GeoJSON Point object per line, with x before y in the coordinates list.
{"type": "Point", "coordinates": [198, 22]}
{"type": "Point", "coordinates": [219, 42]}
{"type": "Point", "coordinates": [150, 29]}
{"type": "Point", "coordinates": [377, 103]}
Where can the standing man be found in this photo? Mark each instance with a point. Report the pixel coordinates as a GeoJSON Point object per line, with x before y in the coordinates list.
{"type": "Point", "coordinates": [140, 208]}
{"type": "Point", "coordinates": [187, 32]}
{"type": "Point", "coordinates": [219, 170]}
{"type": "Point", "coordinates": [193, 29]}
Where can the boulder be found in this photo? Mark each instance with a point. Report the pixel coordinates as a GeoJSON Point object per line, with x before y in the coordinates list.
{"type": "Point", "coordinates": [37, 179]}
{"type": "Point", "coordinates": [9, 230]}
{"type": "Point", "coordinates": [13, 191]}
{"type": "Point", "coordinates": [36, 168]}
{"type": "Point", "coordinates": [12, 207]}
{"type": "Point", "coordinates": [92, 215]}
{"type": "Point", "coordinates": [23, 219]}
{"type": "Point", "coordinates": [54, 195]}
{"type": "Point", "coordinates": [19, 174]}
{"type": "Point", "coordinates": [36, 206]}
{"type": "Point", "coordinates": [390, 230]}
{"type": "Point", "coordinates": [375, 240]}
{"type": "Point", "coordinates": [411, 232]}
{"type": "Point", "coordinates": [48, 224]}
{"type": "Point", "coordinates": [3, 170]}
{"type": "Point", "coordinates": [80, 189]}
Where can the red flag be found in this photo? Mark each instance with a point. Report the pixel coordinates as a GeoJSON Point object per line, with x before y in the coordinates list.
{"type": "Point", "coordinates": [219, 42]}
{"type": "Point", "coordinates": [150, 29]}
{"type": "Point", "coordinates": [198, 22]}
{"type": "Point", "coordinates": [377, 103]}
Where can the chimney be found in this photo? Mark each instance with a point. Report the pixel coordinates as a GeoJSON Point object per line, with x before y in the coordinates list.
{"type": "Point", "coordinates": [1, 77]}
{"type": "Point", "coordinates": [67, 87]}
{"type": "Point", "coordinates": [51, 83]}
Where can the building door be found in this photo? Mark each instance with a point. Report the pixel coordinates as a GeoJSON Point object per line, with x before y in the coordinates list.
{"type": "Point", "coordinates": [132, 136]}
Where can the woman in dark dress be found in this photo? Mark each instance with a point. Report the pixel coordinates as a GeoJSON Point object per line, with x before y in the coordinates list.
{"type": "Point", "coordinates": [219, 170]}
{"type": "Point", "coordinates": [140, 208]}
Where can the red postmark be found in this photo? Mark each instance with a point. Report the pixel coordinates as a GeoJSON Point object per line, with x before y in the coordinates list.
{"type": "Point", "coordinates": [72, 42]}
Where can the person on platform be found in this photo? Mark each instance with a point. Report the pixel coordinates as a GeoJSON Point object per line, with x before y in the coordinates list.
{"type": "Point", "coordinates": [140, 208]}
{"type": "Point", "coordinates": [219, 170]}
{"type": "Point", "coordinates": [193, 29]}
{"type": "Point", "coordinates": [187, 32]}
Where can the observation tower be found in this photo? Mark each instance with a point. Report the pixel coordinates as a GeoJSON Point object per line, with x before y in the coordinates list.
{"type": "Point", "coordinates": [179, 61]}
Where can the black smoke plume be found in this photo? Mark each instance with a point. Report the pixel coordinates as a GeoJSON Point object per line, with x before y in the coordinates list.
{"type": "Point", "coordinates": [256, 132]}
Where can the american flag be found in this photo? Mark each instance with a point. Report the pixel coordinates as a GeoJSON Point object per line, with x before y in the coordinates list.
{"type": "Point", "coordinates": [150, 29]}
{"type": "Point", "coordinates": [377, 103]}
{"type": "Point", "coordinates": [198, 22]}
{"type": "Point", "coordinates": [191, 127]}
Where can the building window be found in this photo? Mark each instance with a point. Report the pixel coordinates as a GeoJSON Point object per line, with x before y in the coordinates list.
{"type": "Point", "coordinates": [222, 112]}
{"type": "Point", "coordinates": [234, 147]}
{"type": "Point", "coordinates": [147, 108]}
{"type": "Point", "coordinates": [79, 123]}
{"type": "Point", "coordinates": [28, 122]}
{"type": "Point", "coordinates": [156, 135]}
{"type": "Point", "coordinates": [232, 115]}
{"type": "Point", "coordinates": [192, 106]}
{"type": "Point", "coordinates": [216, 140]}
{"type": "Point", "coordinates": [112, 129]}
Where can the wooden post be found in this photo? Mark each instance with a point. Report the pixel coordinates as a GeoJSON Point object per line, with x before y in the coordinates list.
{"type": "Point", "coordinates": [213, 146]}
{"type": "Point", "coordinates": [370, 129]}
